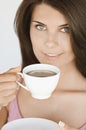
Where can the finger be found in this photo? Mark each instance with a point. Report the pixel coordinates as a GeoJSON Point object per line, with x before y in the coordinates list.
{"type": "Point", "coordinates": [64, 126]}
{"type": "Point", "coordinates": [6, 100]}
{"type": "Point", "coordinates": [13, 76]}
{"type": "Point", "coordinates": [8, 86]}
{"type": "Point", "coordinates": [5, 93]}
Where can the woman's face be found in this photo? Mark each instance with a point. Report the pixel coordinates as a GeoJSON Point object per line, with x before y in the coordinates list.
{"type": "Point", "coordinates": [50, 36]}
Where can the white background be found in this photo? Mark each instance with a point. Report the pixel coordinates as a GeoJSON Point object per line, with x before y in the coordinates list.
{"type": "Point", "coordinates": [9, 46]}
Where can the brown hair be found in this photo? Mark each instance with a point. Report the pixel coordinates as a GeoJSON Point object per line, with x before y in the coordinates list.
{"type": "Point", "coordinates": [74, 11]}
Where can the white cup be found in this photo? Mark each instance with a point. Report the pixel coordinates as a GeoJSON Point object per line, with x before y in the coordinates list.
{"type": "Point", "coordinates": [40, 87]}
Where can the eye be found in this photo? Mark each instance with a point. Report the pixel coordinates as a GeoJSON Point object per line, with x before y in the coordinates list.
{"type": "Point", "coordinates": [65, 29]}
{"type": "Point", "coordinates": [40, 27]}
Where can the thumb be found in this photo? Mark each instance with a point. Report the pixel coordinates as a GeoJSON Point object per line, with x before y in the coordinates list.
{"type": "Point", "coordinates": [64, 126]}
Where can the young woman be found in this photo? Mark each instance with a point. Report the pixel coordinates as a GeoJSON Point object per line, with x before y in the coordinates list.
{"type": "Point", "coordinates": [52, 32]}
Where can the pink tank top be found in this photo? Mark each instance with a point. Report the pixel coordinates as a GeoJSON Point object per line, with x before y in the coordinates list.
{"type": "Point", "coordinates": [14, 112]}
{"type": "Point", "coordinates": [83, 127]}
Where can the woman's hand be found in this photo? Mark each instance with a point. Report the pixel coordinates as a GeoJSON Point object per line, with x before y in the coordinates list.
{"type": "Point", "coordinates": [8, 86]}
{"type": "Point", "coordinates": [64, 126]}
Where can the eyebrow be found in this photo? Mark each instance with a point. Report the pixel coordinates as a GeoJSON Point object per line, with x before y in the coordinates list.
{"type": "Point", "coordinates": [39, 22]}
{"type": "Point", "coordinates": [63, 25]}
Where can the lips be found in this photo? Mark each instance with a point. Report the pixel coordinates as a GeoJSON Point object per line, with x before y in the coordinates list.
{"type": "Point", "coordinates": [52, 55]}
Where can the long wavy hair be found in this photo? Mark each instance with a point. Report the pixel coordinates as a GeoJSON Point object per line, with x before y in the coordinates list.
{"type": "Point", "coordinates": [75, 13]}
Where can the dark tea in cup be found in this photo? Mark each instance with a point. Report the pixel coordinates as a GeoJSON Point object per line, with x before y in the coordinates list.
{"type": "Point", "coordinates": [41, 73]}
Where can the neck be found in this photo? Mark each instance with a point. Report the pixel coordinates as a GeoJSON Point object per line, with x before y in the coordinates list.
{"type": "Point", "coordinates": [70, 78]}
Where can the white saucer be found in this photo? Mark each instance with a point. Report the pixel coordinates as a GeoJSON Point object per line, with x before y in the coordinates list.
{"type": "Point", "coordinates": [31, 124]}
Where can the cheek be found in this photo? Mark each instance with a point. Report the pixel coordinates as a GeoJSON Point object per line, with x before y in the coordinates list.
{"type": "Point", "coordinates": [66, 43]}
{"type": "Point", "coordinates": [38, 36]}
{"type": "Point", "coordinates": [36, 42]}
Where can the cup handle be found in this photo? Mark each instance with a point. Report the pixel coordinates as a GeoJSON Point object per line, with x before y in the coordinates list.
{"type": "Point", "coordinates": [21, 85]}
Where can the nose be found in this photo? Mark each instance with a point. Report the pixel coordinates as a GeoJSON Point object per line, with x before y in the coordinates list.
{"type": "Point", "coordinates": [50, 42]}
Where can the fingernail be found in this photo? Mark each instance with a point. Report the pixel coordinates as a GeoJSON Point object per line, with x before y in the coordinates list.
{"type": "Point", "coordinates": [61, 124]}
{"type": "Point", "coordinates": [19, 78]}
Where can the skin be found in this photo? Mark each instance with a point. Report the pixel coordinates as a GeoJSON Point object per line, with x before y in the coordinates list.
{"type": "Point", "coordinates": [64, 126]}
{"type": "Point", "coordinates": [8, 88]}
{"type": "Point", "coordinates": [3, 116]}
{"type": "Point", "coordinates": [51, 43]}
{"type": "Point", "coordinates": [50, 38]}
